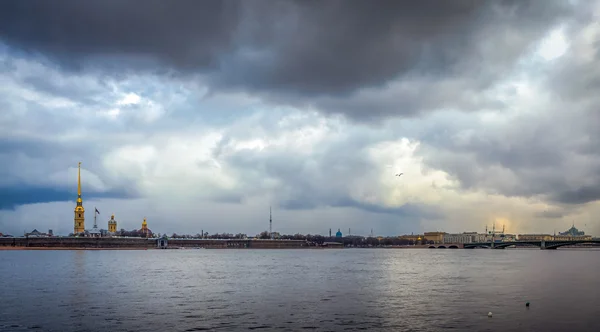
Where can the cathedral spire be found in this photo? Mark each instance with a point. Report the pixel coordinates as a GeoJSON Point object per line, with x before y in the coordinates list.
{"type": "Point", "coordinates": [79, 222]}
{"type": "Point", "coordinates": [79, 184]}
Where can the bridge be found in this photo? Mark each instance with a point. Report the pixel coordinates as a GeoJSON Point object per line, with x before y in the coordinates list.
{"type": "Point", "coordinates": [540, 244]}
{"type": "Point", "coordinates": [444, 246]}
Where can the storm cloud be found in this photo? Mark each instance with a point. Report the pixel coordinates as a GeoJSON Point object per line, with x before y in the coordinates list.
{"type": "Point", "coordinates": [204, 113]}
{"type": "Point", "coordinates": [293, 51]}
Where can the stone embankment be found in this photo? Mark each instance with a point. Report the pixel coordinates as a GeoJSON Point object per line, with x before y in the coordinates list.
{"type": "Point", "coordinates": [140, 243]}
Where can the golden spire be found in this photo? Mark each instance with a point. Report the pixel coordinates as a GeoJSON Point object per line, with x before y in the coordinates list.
{"type": "Point", "coordinates": [79, 226]}
{"type": "Point", "coordinates": [79, 183]}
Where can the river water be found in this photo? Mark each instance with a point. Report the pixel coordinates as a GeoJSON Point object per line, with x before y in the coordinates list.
{"type": "Point", "coordinates": [293, 290]}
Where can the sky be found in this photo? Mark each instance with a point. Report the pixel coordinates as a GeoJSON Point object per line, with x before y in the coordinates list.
{"type": "Point", "coordinates": [200, 115]}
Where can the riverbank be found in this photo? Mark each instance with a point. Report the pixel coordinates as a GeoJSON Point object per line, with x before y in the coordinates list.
{"type": "Point", "coordinates": [66, 248]}
{"type": "Point", "coordinates": [127, 243]}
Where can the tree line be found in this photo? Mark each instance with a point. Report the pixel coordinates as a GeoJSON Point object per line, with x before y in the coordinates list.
{"type": "Point", "coordinates": [355, 241]}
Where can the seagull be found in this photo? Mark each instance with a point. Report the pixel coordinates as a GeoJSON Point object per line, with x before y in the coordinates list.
{"type": "Point", "coordinates": [399, 174]}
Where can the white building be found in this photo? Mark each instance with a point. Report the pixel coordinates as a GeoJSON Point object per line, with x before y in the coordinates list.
{"type": "Point", "coordinates": [458, 238]}
{"type": "Point", "coordinates": [481, 237]}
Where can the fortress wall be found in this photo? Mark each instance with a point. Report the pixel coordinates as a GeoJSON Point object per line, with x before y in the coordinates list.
{"type": "Point", "coordinates": [232, 244]}
{"type": "Point", "coordinates": [78, 242]}
{"type": "Point", "coordinates": [115, 242]}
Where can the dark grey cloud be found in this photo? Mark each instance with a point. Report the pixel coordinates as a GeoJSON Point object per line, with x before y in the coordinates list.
{"type": "Point", "coordinates": [580, 195]}
{"type": "Point", "coordinates": [408, 210]}
{"type": "Point", "coordinates": [552, 214]}
{"type": "Point", "coordinates": [34, 170]}
{"type": "Point", "coordinates": [186, 33]}
{"type": "Point", "coordinates": [529, 157]}
{"type": "Point", "coordinates": [11, 197]}
{"type": "Point", "coordinates": [288, 50]}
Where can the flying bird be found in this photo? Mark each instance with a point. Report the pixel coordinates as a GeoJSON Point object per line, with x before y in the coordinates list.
{"type": "Point", "coordinates": [399, 174]}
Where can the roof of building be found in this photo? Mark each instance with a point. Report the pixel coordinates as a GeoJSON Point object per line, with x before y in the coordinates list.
{"type": "Point", "coordinates": [573, 231]}
{"type": "Point", "coordinates": [94, 231]}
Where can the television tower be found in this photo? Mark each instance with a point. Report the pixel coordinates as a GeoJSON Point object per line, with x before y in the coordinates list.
{"type": "Point", "coordinates": [270, 224]}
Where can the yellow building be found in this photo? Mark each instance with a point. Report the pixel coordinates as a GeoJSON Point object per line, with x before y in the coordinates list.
{"type": "Point", "coordinates": [144, 227]}
{"type": "Point", "coordinates": [535, 237]}
{"type": "Point", "coordinates": [436, 237]}
{"type": "Point", "coordinates": [79, 222]}
{"type": "Point", "coordinates": [571, 238]}
{"type": "Point", "coordinates": [112, 224]}
{"type": "Point", "coordinates": [414, 238]}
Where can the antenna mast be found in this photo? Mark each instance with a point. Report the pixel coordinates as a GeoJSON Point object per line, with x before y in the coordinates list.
{"type": "Point", "coordinates": [270, 224]}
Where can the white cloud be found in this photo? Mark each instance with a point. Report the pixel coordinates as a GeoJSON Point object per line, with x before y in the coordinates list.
{"type": "Point", "coordinates": [130, 99]}
{"type": "Point", "coordinates": [554, 45]}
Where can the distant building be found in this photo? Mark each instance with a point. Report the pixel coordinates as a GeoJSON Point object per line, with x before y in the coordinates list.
{"type": "Point", "coordinates": [36, 233]}
{"type": "Point", "coordinates": [144, 230]}
{"type": "Point", "coordinates": [478, 237]}
{"type": "Point", "coordinates": [573, 231]}
{"type": "Point", "coordinates": [457, 238]}
{"type": "Point", "coordinates": [162, 242]}
{"type": "Point", "coordinates": [413, 238]}
{"type": "Point", "coordinates": [548, 237]}
{"type": "Point", "coordinates": [571, 238]}
{"type": "Point", "coordinates": [338, 233]}
{"type": "Point", "coordinates": [94, 232]}
{"type": "Point", "coordinates": [112, 224]}
{"type": "Point", "coordinates": [508, 237]}
{"type": "Point", "coordinates": [535, 237]}
{"type": "Point", "coordinates": [436, 237]}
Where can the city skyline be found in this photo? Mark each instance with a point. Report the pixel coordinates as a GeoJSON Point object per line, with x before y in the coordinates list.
{"type": "Point", "coordinates": [79, 224]}
{"type": "Point", "coordinates": [207, 116]}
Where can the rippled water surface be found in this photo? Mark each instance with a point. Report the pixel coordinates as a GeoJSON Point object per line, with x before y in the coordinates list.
{"type": "Point", "coordinates": [292, 290]}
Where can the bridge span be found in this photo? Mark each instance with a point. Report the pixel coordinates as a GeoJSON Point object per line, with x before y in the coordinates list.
{"type": "Point", "coordinates": [444, 246]}
{"type": "Point", "coordinates": [540, 244]}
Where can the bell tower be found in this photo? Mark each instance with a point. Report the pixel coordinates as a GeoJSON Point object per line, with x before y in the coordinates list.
{"type": "Point", "coordinates": [112, 224]}
{"type": "Point", "coordinates": [144, 229]}
{"type": "Point", "coordinates": [79, 224]}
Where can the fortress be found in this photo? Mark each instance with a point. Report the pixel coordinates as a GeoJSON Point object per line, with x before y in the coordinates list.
{"type": "Point", "coordinates": [138, 239]}
{"type": "Point", "coordinates": [79, 219]}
